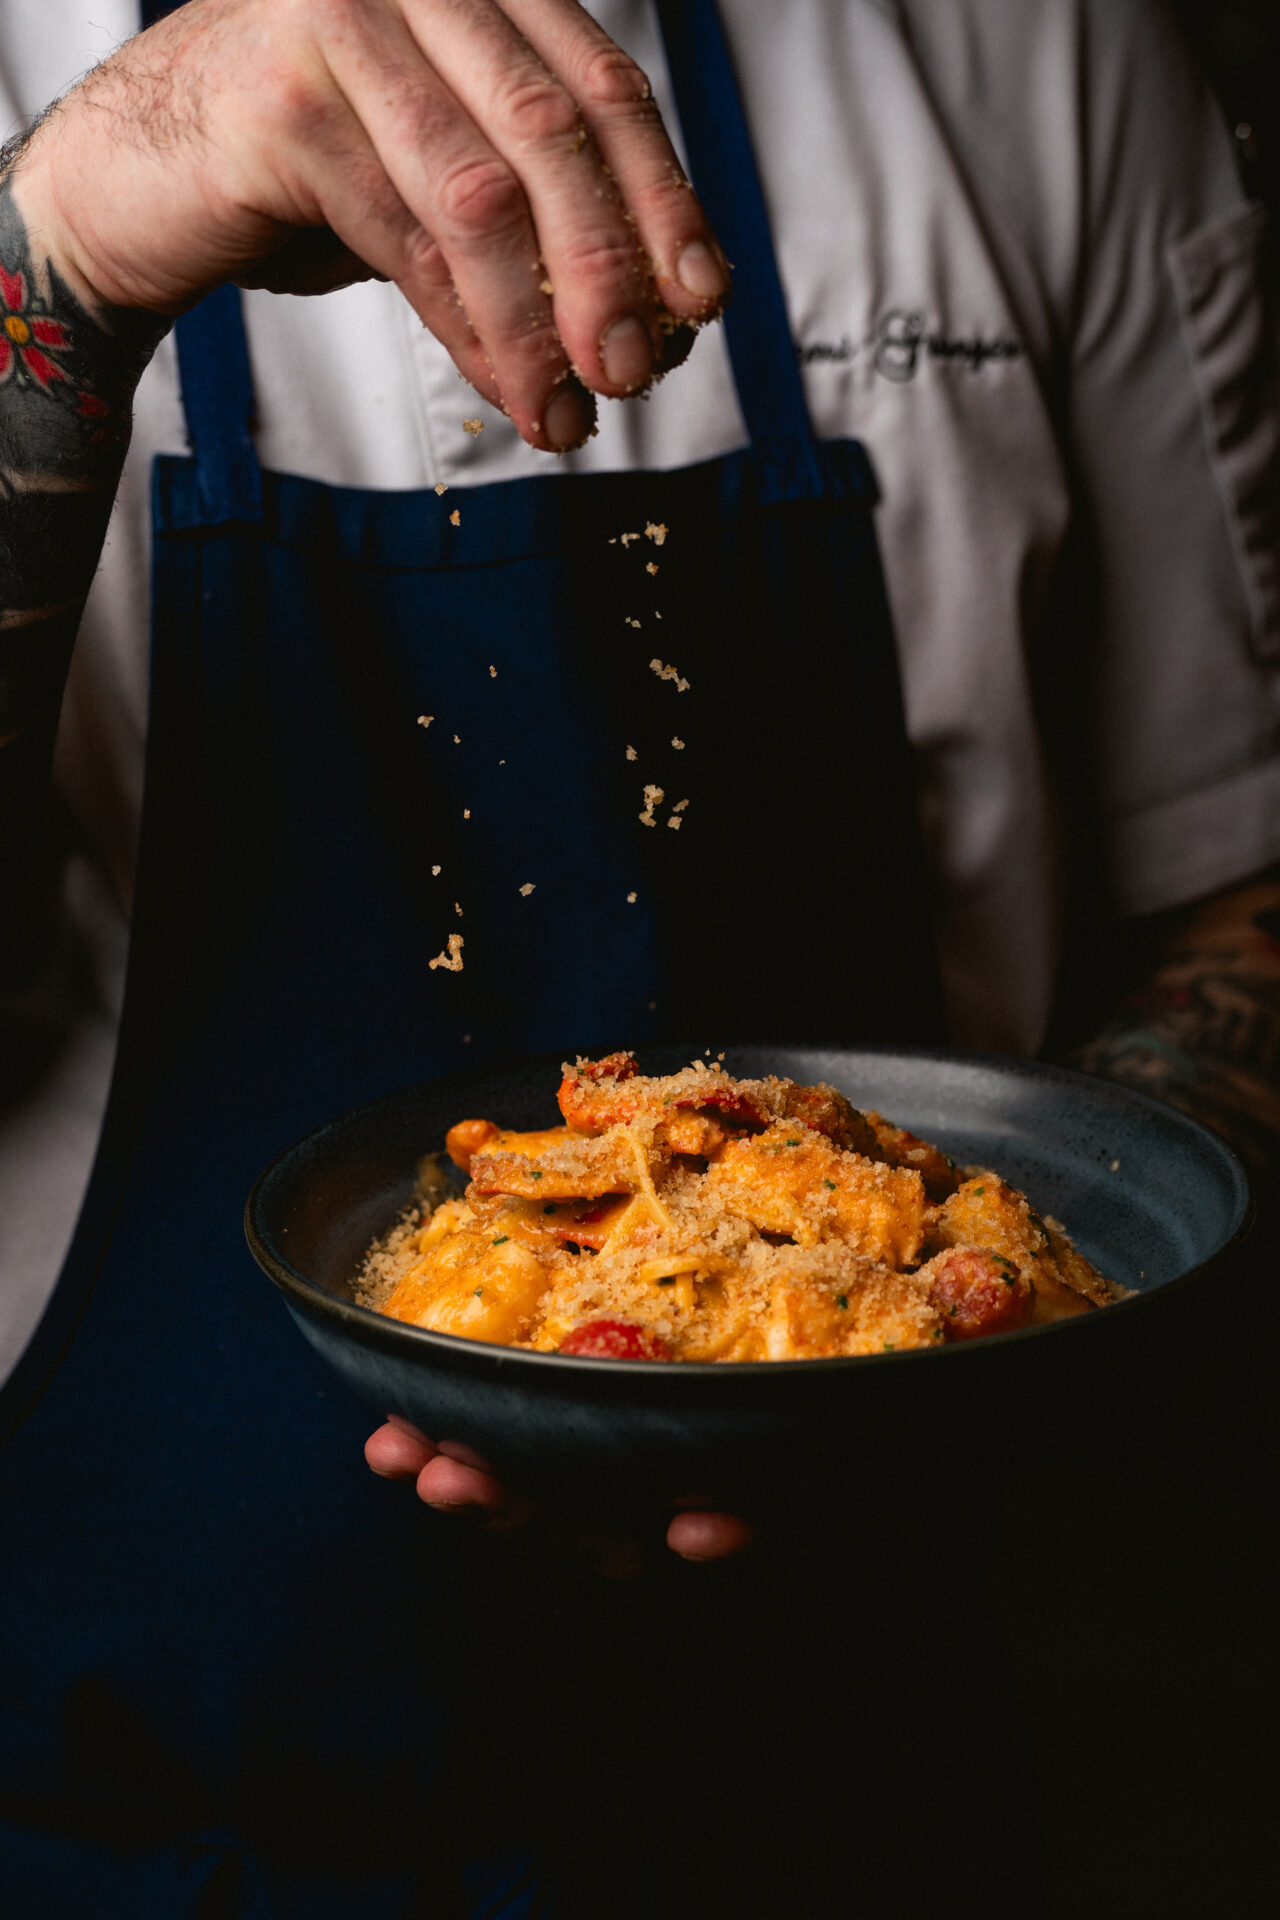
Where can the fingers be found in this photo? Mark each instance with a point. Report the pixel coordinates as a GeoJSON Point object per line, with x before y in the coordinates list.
{"type": "Point", "coordinates": [709, 1536]}
{"type": "Point", "coordinates": [606, 310]}
{"type": "Point", "coordinates": [499, 214]}
{"type": "Point", "coordinates": [451, 218]}
{"type": "Point", "coordinates": [398, 1451]}
{"type": "Point", "coordinates": [455, 1480]}
{"type": "Point", "coordinates": [618, 108]}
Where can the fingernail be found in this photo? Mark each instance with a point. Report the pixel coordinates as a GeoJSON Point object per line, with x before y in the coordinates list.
{"type": "Point", "coordinates": [627, 354]}
{"type": "Point", "coordinates": [699, 271]}
{"type": "Point", "coordinates": [569, 416]}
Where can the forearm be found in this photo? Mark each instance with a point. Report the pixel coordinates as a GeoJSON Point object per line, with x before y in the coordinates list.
{"type": "Point", "coordinates": [67, 377]}
{"type": "Point", "coordinates": [1202, 1029]}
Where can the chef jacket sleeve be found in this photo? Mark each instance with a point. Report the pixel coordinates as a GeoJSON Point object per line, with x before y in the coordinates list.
{"type": "Point", "coordinates": [1173, 431]}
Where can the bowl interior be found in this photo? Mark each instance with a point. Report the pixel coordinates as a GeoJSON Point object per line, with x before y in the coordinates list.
{"type": "Point", "coordinates": [1147, 1195]}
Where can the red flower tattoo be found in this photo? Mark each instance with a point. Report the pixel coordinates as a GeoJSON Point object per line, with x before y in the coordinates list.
{"type": "Point", "coordinates": [28, 336]}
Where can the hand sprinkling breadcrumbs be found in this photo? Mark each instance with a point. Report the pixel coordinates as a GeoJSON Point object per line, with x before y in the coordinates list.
{"type": "Point", "coordinates": [451, 958]}
{"type": "Point", "coordinates": [652, 799]}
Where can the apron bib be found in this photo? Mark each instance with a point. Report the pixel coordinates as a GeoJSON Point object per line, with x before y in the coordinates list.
{"type": "Point", "coordinates": [231, 1656]}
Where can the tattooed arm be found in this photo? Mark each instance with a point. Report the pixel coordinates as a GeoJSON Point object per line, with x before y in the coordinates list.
{"type": "Point", "coordinates": [1202, 1029]}
{"type": "Point", "coordinates": [67, 376]}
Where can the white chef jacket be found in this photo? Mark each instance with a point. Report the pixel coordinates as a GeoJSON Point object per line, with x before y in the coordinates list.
{"type": "Point", "coordinates": [1018, 266]}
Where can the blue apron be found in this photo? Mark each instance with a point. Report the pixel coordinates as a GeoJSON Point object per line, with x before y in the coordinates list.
{"type": "Point", "coordinates": [235, 1663]}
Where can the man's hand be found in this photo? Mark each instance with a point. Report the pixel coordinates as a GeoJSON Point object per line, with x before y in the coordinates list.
{"type": "Point", "coordinates": [504, 164]}
{"type": "Point", "coordinates": [452, 1479]}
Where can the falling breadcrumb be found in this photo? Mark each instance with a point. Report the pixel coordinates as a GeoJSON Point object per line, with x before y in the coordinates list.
{"type": "Point", "coordinates": [435, 869]}
{"type": "Point", "coordinates": [674, 821]}
{"type": "Point", "coordinates": [652, 567]}
{"type": "Point", "coordinates": [627, 538]}
{"type": "Point", "coordinates": [526, 889]}
{"type": "Point", "coordinates": [493, 673]}
{"type": "Point", "coordinates": [455, 518]}
{"type": "Point", "coordinates": [630, 622]}
{"type": "Point", "coordinates": [440, 487]}
{"type": "Point", "coordinates": [466, 813]}
{"type": "Point", "coordinates": [677, 743]}
{"type": "Point", "coordinates": [631, 899]}
{"type": "Point", "coordinates": [680, 806]}
{"type": "Point", "coordinates": [457, 739]}
{"type": "Point", "coordinates": [631, 753]}
{"type": "Point", "coordinates": [652, 799]}
{"type": "Point", "coordinates": [656, 532]}
{"type": "Point", "coordinates": [668, 673]}
{"type": "Point", "coordinates": [457, 909]}
{"type": "Point", "coordinates": [451, 959]}
{"type": "Point", "coordinates": [473, 427]}
{"type": "Point", "coordinates": [425, 719]}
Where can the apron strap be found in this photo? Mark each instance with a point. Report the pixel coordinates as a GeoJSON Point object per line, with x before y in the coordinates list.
{"type": "Point", "coordinates": [217, 398]}
{"type": "Point", "coordinates": [766, 369]}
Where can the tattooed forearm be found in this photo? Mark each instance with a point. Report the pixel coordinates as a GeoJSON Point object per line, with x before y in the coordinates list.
{"type": "Point", "coordinates": [67, 378]}
{"type": "Point", "coordinates": [1203, 1030]}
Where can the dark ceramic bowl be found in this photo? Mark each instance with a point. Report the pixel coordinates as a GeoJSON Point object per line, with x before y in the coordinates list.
{"type": "Point", "coordinates": [1156, 1202]}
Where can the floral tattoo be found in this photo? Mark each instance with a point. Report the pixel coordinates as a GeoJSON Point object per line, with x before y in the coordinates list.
{"type": "Point", "coordinates": [67, 378]}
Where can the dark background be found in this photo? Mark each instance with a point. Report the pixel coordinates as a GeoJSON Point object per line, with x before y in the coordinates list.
{"type": "Point", "coordinates": [1237, 43]}
{"type": "Point", "coordinates": [1139, 1576]}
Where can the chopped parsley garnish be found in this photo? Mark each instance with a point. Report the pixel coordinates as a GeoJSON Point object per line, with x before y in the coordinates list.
{"type": "Point", "coordinates": [831, 1184]}
{"type": "Point", "coordinates": [953, 1311]}
{"type": "Point", "coordinates": [889, 1347]}
{"type": "Point", "coordinates": [842, 1301]}
{"type": "Point", "coordinates": [793, 1143]}
{"type": "Point", "coordinates": [501, 1241]}
{"type": "Point", "coordinates": [535, 1173]}
{"type": "Point", "coordinates": [479, 1292]}
{"type": "Point", "coordinates": [979, 1189]}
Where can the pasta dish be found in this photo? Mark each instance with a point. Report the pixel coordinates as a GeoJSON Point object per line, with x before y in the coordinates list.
{"type": "Point", "coordinates": [694, 1216]}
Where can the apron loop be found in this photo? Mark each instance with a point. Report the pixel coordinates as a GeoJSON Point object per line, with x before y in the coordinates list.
{"type": "Point", "coordinates": [217, 398]}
